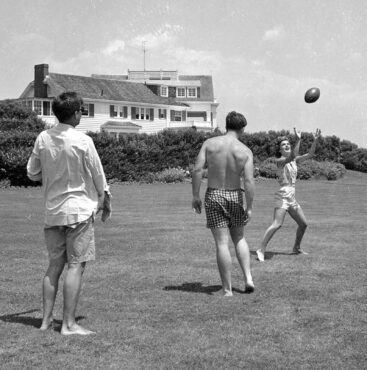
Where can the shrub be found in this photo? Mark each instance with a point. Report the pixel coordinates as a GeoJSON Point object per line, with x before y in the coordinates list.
{"type": "Point", "coordinates": [170, 175]}
{"type": "Point", "coordinates": [268, 169]}
{"type": "Point", "coordinates": [331, 170]}
{"type": "Point", "coordinates": [307, 169]}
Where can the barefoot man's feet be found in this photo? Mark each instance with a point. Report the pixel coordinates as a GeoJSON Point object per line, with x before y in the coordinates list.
{"type": "Point", "coordinates": [46, 325]}
{"type": "Point", "coordinates": [76, 329]}
{"type": "Point", "coordinates": [260, 255]}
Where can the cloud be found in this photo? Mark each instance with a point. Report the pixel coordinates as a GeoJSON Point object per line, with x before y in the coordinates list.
{"type": "Point", "coordinates": [113, 47]}
{"type": "Point", "coordinates": [275, 34]}
{"type": "Point", "coordinates": [167, 34]}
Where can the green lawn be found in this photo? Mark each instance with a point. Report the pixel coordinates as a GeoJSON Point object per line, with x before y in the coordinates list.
{"type": "Point", "coordinates": [153, 295]}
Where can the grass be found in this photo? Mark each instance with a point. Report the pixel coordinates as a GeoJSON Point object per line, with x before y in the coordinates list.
{"type": "Point", "coordinates": [153, 295]}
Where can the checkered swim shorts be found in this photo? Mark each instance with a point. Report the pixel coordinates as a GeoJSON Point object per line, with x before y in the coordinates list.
{"type": "Point", "coordinates": [224, 208]}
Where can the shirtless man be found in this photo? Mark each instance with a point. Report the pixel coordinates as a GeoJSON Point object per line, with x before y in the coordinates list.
{"type": "Point", "coordinates": [227, 160]}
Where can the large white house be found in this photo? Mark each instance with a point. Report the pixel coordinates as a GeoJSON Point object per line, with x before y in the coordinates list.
{"type": "Point", "coordinates": [139, 102]}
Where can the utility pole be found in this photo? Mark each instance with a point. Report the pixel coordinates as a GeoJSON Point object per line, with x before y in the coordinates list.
{"type": "Point", "coordinates": [144, 51]}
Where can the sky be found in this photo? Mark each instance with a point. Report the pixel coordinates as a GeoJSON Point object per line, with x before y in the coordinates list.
{"type": "Point", "coordinates": [262, 54]}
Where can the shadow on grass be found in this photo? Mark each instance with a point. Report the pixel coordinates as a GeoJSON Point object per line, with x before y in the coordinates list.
{"type": "Point", "coordinates": [195, 288]}
{"type": "Point", "coordinates": [32, 321]}
{"type": "Point", "coordinates": [270, 255]}
{"type": "Point", "coordinates": [199, 288]}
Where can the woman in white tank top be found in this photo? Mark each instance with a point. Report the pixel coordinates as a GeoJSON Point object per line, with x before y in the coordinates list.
{"type": "Point", "coordinates": [285, 197]}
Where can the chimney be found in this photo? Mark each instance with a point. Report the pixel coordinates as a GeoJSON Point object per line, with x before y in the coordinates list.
{"type": "Point", "coordinates": [40, 72]}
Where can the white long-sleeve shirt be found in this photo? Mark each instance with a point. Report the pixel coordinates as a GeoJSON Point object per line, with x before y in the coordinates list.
{"type": "Point", "coordinates": [71, 172]}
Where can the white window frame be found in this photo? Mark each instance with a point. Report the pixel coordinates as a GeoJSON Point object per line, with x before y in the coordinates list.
{"type": "Point", "coordinates": [121, 111]}
{"type": "Point", "coordinates": [38, 109]}
{"type": "Point", "coordinates": [142, 114]}
{"type": "Point", "coordinates": [191, 92]}
{"type": "Point", "coordinates": [177, 114]}
{"type": "Point", "coordinates": [164, 91]}
{"type": "Point", "coordinates": [162, 113]}
{"type": "Point", "coordinates": [85, 113]}
{"type": "Point", "coordinates": [180, 92]}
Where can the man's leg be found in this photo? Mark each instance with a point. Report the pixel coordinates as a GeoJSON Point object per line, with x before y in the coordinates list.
{"type": "Point", "coordinates": [300, 218]}
{"type": "Point", "coordinates": [224, 259]}
{"type": "Point", "coordinates": [278, 219]}
{"type": "Point", "coordinates": [243, 255]}
{"type": "Point", "coordinates": [50, 287]}
{"type": "Point", "coordinates": [72, 287]}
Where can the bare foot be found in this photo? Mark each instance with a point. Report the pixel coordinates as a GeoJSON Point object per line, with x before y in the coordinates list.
{"type": "Point", "coordinates": [299, 251]}
{"type": "Point", "coordinates": [249, 286]}
{"type": "Point", "coordinates": [46, 324]}
{"type": "Point", "coordinates": [260, 255]}
{"type": "Point", "coordinates": [75, 329]}
{"type": "Point", "coordinates": [227, 293]}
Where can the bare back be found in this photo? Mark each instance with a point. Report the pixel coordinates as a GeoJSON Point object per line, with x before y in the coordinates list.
{"type": "Point", "coordinates": [226, 158]}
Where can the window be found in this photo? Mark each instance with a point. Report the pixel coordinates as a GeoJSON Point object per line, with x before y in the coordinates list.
{"type": "Point", "coordinates": [191, 92]}
{"type": "Point", "coordinates": [121, 111]}
{"type": "Point", "coordinates": [46, 105]}
{"type": "Point", "coordinates": [113, 111]}
{"type": "Point", "coordinates": [118, 111]}
{"type": "Point", "coordinates": [162, 113]}
{"type": "Point", "coordinates": [164, 91]}
{"type": "Point", "coordinates": [88, 110]}
{"type": "Point", "coordinates": [37, 107]}
{"type": "Point", "coordinates": [181, 92]}
{"type": "Point", "coordinates": [178, 116]}
{"type": "Point", "coordinates": [142, 113]}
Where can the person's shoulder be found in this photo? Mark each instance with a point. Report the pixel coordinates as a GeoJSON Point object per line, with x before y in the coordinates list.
{"type": "Point", "coordinates": [82, 136]}
{"type": "Point", "coordinates": [213, 140]}
{"type": "Point", "coordinates": [244, 148]}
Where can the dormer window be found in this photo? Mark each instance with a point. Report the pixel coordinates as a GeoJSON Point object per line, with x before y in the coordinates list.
{"type": "Point", "coordinates": [164, 91]}
{"type": "Point", "coordinates": [181, 92]}
{"type": "Point", "coordinates": [191, 92]}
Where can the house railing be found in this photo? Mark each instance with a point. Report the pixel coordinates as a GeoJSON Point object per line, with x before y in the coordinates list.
{"type": "Point", "coordinates": [205, 124]}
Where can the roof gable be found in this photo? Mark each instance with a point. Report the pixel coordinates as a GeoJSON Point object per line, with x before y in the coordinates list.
{"type": "Point", "coordinates": [206, 89]}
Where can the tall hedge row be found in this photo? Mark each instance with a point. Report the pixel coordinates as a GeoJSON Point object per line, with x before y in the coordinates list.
{"type": "Point", "coordinates": [134, 156]}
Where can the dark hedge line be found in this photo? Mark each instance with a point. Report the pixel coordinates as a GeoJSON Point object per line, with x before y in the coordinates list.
{"type": "Point", "coordinates": [135, 157]}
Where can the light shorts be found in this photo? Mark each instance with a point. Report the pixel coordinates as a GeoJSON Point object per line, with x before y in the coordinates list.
{"type": "Point", "coordinates": [73, 242]}
{"type": "Point", "coordinates": [224, 208]}
{"type": "Point", "coordinates": [285, 198]}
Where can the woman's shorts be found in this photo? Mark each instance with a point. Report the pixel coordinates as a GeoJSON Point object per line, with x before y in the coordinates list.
{"type": "Point", "coordinates": [224, 208]}
{"type": "Point", "coordinates": [285, 198]}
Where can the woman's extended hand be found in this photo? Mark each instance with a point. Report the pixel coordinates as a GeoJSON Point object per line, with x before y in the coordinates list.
{"type": "Point", "coordinates": [297, 133]}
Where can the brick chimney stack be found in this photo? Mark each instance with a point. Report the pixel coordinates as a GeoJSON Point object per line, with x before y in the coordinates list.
{"type": "Point", "coordinates": [40, 72]}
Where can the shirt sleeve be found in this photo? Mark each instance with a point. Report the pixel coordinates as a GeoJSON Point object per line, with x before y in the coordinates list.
{"type": "Point", "coordinates": [34, 169]}
{"type": "Point", "coordinates": [96, 169]}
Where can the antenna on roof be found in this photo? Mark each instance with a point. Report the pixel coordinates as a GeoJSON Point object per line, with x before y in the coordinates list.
{"type": "Point", "coordinates": [144, 51]}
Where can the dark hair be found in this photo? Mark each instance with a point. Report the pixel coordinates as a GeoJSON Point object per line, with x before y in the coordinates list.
{"type": "Point", "coordinates": [235, 121]}
{"type": "Point", "coordinates": [66, 104]}
{"type": "Point", "coordinates": [279, 141]}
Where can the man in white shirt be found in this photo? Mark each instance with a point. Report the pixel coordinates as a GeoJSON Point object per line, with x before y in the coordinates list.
{"type": "Point", "coordinates": [75, 189]}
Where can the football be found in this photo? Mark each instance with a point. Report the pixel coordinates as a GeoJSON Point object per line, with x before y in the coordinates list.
{"type": "Point", "coordinates": [312, 95]}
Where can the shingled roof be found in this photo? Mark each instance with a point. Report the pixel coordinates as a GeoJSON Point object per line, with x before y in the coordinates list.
{"type": "Point", "coordinates": [105, 89]}
{"type": "Point", "coordinates": [206, 84]}
{"type": "Point", "coordinates": [206, 89]}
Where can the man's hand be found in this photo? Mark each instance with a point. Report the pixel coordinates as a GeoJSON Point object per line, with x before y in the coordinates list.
{"type": "Point", "coordinates": [248, 213]}
{"type": "Point", "coordinates": [104, 205]}
{"type": "Point", "coordinates": [297, 133]}
{"type": "Point", "coordinates": [196, 204]}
